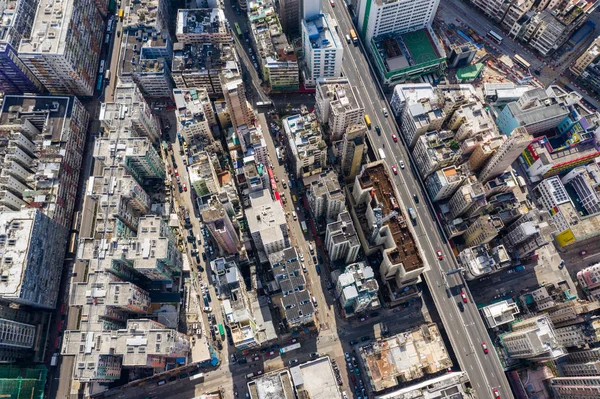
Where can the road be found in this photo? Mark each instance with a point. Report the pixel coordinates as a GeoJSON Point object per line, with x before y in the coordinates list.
{"type": "Point", "coordinates": [465, 329]}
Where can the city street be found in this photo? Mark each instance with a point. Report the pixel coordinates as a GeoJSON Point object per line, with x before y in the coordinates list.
{"type": "Point", "coordinates": [465, 329]}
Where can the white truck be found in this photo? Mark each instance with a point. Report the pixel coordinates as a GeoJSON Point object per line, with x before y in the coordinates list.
{"type": "Point", "coordinates": [381, 154]}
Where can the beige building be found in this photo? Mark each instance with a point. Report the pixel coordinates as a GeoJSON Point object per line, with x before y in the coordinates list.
{"type": "Point", "coordinates": [195, 115]}
{"type": "Point", "coordinates": [338, 105]}
{"type": "Point", "coordinates": [483, 230]}
{"type": "Point", "coordinates": [240, 111]}
{"type": "Point", "coordinates": [353, 149]}
{"type": "Point", "coordinates": [585, 59]}
{"type": "Point", "coordinates": [404, 357]}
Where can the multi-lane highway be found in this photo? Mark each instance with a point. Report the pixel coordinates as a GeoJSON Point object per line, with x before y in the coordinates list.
{"type": "Point", "coordinates": [465, 329]}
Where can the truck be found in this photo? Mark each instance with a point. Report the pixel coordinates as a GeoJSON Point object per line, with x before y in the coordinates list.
{"type": "Point", "coordinates": [353, 36]}
{"type": "Point", "coordinates": [381, 154]}
{"type": "Point", "coordinates": [413, 215]}
{"type": "Point", "coordinates": [198, 376]}
{"type": "Point", "coordinates": [304, 229]}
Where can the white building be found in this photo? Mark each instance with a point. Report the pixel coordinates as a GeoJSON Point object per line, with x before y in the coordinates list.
{"type": "Point", "coordinates": [325, 196]}
{"type": "Point", "coordinates": [338, 105]}
{"type": "Point", "coordinates": [202, 25]}
{"type": "Point", "coordinates": [499, 313]}
{"type": "Point", "coordinates": [552, 193]}
{"type": "Point", "coordinates": [341, 240]}
{"type": "Point", "coordinates": [443, 183]}
{"type": "Point", "coordinates": [267, 223]}
{"type": "Point", "coordinates": [533, 339]}
{"type": "Point", "coordinates": [306, 149]}
{"type": "Point", "coordinates": [323, 49]}
{"type": "Point", "coordinates": [508, 152]}
{"type": "Point", "coordinates": [585, 181]}
{"type": "Point", "coordinates": [31, 262]}
{"type": "Point", "coordinates": [402, 16]}
{"type": "Point", "coordinates": [358, 289]}
{"type": "Point", "coordinates": [195, 115]}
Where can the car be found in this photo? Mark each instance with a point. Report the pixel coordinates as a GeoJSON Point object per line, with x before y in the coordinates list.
{"type": "Point", "coordinates": [332, 3]}
{"type": "Point", "coordinates": [463, 296]}
{"type": "Point", "coordinates": [365, 318]}
{"type": "Point", "coordinates": [394, 137]}
{"type": "Point", "coordinates": [304, 268]}
{"type": "Point", "coordinates": [385, 112]}
{"type": "Point", "coordinates": [496, 394]}
{"type": "Point", "coordinates": [301, 256]}
{"type": "Point", "coordinates": [365, 338]}
{"type": "Point", "coordinates": [378, 130]}
{"type": "Point", "coordinates": [293, 361]}
{"type": "Point", "coordinates": [242, 360]}
{"type": "Point", "coordinates": [293, 341]}
{"type": "Point", "coordinates": [161, 382]}
{"type": "Point", "coordinates": [353, 342]}
{"type": "Point", "coordinates": [484, 347]}
{"type": "Point", "coordinates": [256, 358]}
{"type": "Point", "coordinates": [416, 198]}
{"type": "Point", "coordinates": [259, 372]}
{"type": "Point", "coordinates": [176, 173]}
{"type": "Point", "coordinates": [233, 358]}
{"type": "Point", "coordinates": [583, 253]}
{"type": "Point", "coordinates": [347, 355]}
{"type": "Point", "coordinates": [194, 371]}
{"type": "Point", "coordinates": [344, 395]}
{"type": "Point", "coordinates": [314, 355]}
{"type": "Point", "coordinates": [439, 254]}
{"type": "Point", "coordinates": [270, 354]}
{"type": "Point", "coordinates": [207, 309]}
{"type": "Point", "coordinates": [314, 258]}
{"type": "Point", "coordinates": [394, 169]}
{"type": "Point", "coordinates": [184, 187]}
{"type": "Point", "coordinates": [401, 164]}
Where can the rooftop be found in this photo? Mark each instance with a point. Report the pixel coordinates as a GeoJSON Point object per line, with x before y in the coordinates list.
{"type": "Point", "coordinates": [500, 313]}
{"type": "Point", "coordinates": [139, 54]}
{"type": "Point", "coordinates": [201, 22]}
{"type": "Point", "coordinates": [405, 357]}
{"type": "Point", "coordinates": [304, 135]}
{"type": "Point", "coordinates": [400, 51]}
{"type": "Point", "coordinates": [204, 58]}
{"type": "Point", "coordinates": [275, 385]}
{"type": "Point", "coordinates": [320, 33]}
{"type": "Point", "coordinates": [50, 28]}
{"type": "Point", "coordinates": [316, 378]}
{"type": "Point", "coordinates": [376, 178]}
{"type": "Point", "coordinates": [266, 215]}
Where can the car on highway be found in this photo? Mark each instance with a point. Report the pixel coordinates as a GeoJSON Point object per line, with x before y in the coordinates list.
{"type": "Point", "coordinates": [394, 137]}
{"type": "Point", "coordinates": [332, 3]}
{"type": "Point", "coordinates": [583, 253]}
{"type": "Point", "coordinates": [463, 296]}
{"type": "Point", "coordinates": [496, 394]}
{"type": "Point", "coordinates": [401, 164]}
{"type": "Point", "coordinates": [395, 169]}
{"type": "Point", "coordinates": [484, 347]}
{"type": "Point", "coordinates": [439, 254]}
{"type": "Point", "coordinates": [416, 198]}
{"type": "Point", "coordinates": [385, 112]}
{"type": "Point", "coordinates": [378, 130]}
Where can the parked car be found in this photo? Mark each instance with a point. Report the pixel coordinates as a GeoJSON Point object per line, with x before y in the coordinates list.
{"type": "Point", "coordinates": [293, 361]}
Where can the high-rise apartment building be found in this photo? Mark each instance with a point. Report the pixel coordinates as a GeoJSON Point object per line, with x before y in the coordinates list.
{"type": "Point", "coordinates": [323, 49]}
{"type": "Point", "coordinates": [289, 15]}
{"type": "Point", "coordinates": [195, 116]}
{"type": "Point", "coordinates": [358, 289]}
{"type": "Point", "coordinates": [202, 26]}
{"type": "Point", "coordinates": [306, 150]}
{"type": "Point", "coordinates": [378, 17]}
{"type": "Point", "coordinates": [483, 230]}
{"type": "Point", "coordinates": [533, 339]}
{"type": "Point", "coordinates": [42, 153]}
{"type": "Point", "coordinates": [589, 55]}
{"type": "Point", "coordinates": [240, 111]}
{"type": "Point", "coordinates": [576, 387]}
{"type": "Point", "coordinates": [341, 240]}
{"type": "Point", "coordinates": [267, 223]}
{"type": "Point", "coordinates": [353, 149]}
{"type": "Point", "coordinates": [63, 49]}
{"type": "Point", "coordinates": [325, 196]}
{"type": "Point", "coordinates": [220, 226]}
{"type": "Point", "coordinates": [443, 183]}
{"type": "Point", "coordinates": [506, 154]}
{"type": "Point", "coordinates": [31, 262]}
{"type": "Point", "coordinates": [338, 105]}
{"type": "Point", "coordinates": [16, 21]}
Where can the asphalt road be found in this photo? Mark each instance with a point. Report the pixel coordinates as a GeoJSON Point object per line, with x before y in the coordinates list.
{"type": "Point", "coordinates": [465, 329]}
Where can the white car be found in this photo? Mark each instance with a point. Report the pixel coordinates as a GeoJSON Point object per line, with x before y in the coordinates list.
{"type": "Point", "coordinates": [301, 257]}
{"type": "Point", "coordinates": [401, 164]}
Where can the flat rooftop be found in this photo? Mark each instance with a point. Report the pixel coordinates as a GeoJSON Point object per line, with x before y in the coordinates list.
{"type": "Point", "coordinates": [406, 252]}
{"type": "Point", "coordinates": [321, 33]}
{"type": "Point", "coordinates": [204, 58]}
{"type": "Point", "coordinates": [201, 21]}
{"type": "Point", "coordinates": [50, 28]}
{"type": "Point", "coordinates": [405, 357]}
{"type": "Point", "coordinates": [316, 378]}
{"type": "Point", "coordinates": [276, 385]}
{"type": "Point", "coordinates": [400, 51]}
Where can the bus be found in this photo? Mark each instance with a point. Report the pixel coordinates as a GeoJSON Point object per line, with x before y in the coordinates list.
{"type": "Point", "coordinates": [381, 154]}
{"type": "Point", "coordinates": [353, 36]}
{"type": "Point", "coordinates": [290, 348]}
{"type": "Point", "coordinates": [221, 331]}
{"type": "Point", "coordinates": [304, 229]}
{"type": "Point", "coordinates": [121, 12]}
{"type": "Point", "coordinates": [238, 30]}
{"type": "Point", "coordinates": [99, 84]}
{"type": "Point", "coordinates": [520, 61]}
{"type": "Point", "coordinates": [197, 376]}
{"type": "Point", "coordinates": [260, 104]}
{"type": "Point", "coordinates": [496, 38]}
{"type": "Point", "coordinates": [368, 121]}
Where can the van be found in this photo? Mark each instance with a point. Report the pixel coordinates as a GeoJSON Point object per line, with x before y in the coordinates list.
{"type": "Point", "coordinates": [311, 248]}
{"type": "Point", "coordinates": [348, 39]}
{"type": "Point", "coordinates": [295, 215]}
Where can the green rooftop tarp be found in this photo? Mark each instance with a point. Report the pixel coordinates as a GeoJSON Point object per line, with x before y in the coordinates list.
{"type": "Point", "coordinates": [469, 73]}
